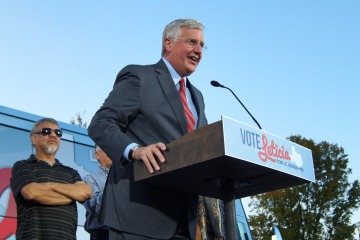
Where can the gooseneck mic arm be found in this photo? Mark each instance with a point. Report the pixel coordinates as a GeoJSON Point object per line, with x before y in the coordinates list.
{"type": "Point", "coordinates": [217, 84]}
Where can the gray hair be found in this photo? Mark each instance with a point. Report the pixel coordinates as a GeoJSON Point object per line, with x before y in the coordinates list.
{"type": "Point", "coordinates": [41, 121]}
{"type": "Point", "coordinates": [173, 29]}
{"type": "Point", "coordinates": [97, 148]}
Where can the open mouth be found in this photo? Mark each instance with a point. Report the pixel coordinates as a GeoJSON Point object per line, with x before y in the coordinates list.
{"type": "Point", "coordinates": [194, 59]}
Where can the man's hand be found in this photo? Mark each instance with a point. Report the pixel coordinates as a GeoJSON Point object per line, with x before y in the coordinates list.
{"type": "Point", "coordinates": [150, 155]}
{"type": "Point", "coordinates": [78, 191]}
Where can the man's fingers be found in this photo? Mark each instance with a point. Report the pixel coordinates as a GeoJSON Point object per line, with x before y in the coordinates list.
{"type": "Point", "coordinates": [161, 146]}
{"type": "Point", "coordinates": [148, 166]}
{"type": "Point", "coordinates": [150, 154]}
{"type": "Point", "coordinates": [151, 164]}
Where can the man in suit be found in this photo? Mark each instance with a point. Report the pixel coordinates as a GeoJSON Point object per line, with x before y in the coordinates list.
{"type": "Point", "coordinates": [142, 113]}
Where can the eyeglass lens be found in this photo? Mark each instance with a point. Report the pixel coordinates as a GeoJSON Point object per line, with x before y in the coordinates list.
{"type": "Point", "coordinates": [193, 42]}
{"type": "Point", "coordinates": [48, 131]}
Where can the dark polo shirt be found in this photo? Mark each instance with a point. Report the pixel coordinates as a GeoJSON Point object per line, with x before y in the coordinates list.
{"type": "Point", "coordinates": [38, 221]}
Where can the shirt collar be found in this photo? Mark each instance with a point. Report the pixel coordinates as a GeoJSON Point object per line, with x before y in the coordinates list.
{"type": "Point", "coordinates": [33, 158]}
{"type": "Point", "coordinates": [175, 76]}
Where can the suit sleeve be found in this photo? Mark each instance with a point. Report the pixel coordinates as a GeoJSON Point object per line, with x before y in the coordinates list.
{"type": "Point", "coordinates": [109, 124]}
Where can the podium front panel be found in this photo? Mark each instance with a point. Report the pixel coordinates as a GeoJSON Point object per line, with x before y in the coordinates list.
{"type": "Point", "coordinates": [198, 161]}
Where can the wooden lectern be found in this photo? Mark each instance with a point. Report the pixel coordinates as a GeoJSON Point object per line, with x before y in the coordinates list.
{"type": "Point", "coordinates": [199, 163]}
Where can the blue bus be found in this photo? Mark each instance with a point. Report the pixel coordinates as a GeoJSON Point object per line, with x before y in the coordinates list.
{"type": "Point", "coordinates": [76, 151]}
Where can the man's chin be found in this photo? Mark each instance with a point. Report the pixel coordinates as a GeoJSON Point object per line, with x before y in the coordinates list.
{"type": "Point", "coordinates": [191, 68]}
{"type": "Point", "coordinates": [51, 149]}
{"type": "Point", "coordinates": [190, 71]}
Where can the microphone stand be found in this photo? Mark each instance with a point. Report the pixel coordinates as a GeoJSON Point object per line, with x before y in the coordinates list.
{"type": "Point", "coordinates": [216, 84]}
{"type": "Point", "coordinates": [228, 188]}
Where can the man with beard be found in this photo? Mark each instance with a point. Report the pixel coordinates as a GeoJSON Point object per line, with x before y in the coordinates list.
{"type": "Point", "coordinates": [46, 191]}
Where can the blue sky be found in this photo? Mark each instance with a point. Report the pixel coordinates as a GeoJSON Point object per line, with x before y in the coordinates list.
{"type": "Point", "coordinates": [294, 64]}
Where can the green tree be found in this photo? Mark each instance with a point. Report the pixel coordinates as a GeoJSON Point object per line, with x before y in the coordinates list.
{"type": "Point", "coordinates": [79, 120]}
{"type": "Point", "coordinates": [320, 210]}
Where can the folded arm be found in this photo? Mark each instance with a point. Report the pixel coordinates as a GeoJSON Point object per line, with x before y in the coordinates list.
{"type": "Point", "coordinates": [78, 191]}
{"type": "Point", "coordinates": [52, 193]}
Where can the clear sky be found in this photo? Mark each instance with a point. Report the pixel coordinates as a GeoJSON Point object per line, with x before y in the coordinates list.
{"type": "Point", "coordinates": [294, 64]}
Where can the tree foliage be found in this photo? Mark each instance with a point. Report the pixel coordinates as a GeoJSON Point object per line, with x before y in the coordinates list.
{"type": "Point", "coordinates": [78, 120]}
{"type": "Point", "coordinates": [320, 210]}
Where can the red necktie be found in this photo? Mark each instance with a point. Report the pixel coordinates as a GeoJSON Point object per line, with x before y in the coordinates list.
{"type": "Point", "coordinates": [189, 117]}
{"type": "Point", "coordinates": [191, 125]}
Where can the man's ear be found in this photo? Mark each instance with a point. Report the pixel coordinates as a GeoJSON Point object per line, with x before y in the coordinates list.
{"type": "Point", "coordinates": [167, 43]}
{"type": "Point", "coordinates": [32, 139]}
{"type": "Point", "coordinates": [97, 155]}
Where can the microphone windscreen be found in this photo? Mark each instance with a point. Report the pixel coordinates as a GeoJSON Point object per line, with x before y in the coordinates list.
{"type": "Point", "coordinates": [215, 83]}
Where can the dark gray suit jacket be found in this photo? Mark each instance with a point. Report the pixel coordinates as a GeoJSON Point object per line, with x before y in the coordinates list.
{"type": "Point", "coordinates": [144, 107]}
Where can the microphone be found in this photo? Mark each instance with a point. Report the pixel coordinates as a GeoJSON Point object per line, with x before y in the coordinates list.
{"type": "Point", "coordinates": [217, 84]}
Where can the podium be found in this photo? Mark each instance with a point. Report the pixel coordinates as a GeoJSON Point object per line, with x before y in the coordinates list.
{"type": "Point", "coordinates": [229, 160]}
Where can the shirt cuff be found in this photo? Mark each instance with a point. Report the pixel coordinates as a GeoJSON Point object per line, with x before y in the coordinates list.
{"type": "Point", "coordinates": [127, 150]}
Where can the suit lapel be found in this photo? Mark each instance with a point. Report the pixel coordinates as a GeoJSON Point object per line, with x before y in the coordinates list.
{"type": "Point", "coordinates": [172, 95]}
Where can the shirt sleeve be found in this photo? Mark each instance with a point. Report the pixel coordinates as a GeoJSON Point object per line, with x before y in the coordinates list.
{"type": "Point", "coordinates": [77, 176]}
{"type": "Point", "coordinates": [22, 175]}
{"type": "Point", "coordinates": [93, 204]}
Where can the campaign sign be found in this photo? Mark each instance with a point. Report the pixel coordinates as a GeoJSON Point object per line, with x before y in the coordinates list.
{"type": "Point", "coordinates": [260, 147]}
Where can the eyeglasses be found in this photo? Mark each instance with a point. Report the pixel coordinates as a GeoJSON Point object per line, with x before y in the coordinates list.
{"type": "Point", "coordinates": [48, 131]}
{"type": "Point", "coordinates": [193, 42]}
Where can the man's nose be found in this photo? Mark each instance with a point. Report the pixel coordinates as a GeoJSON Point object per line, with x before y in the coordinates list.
{"type": "Point", "coordinates": [198, 48]}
